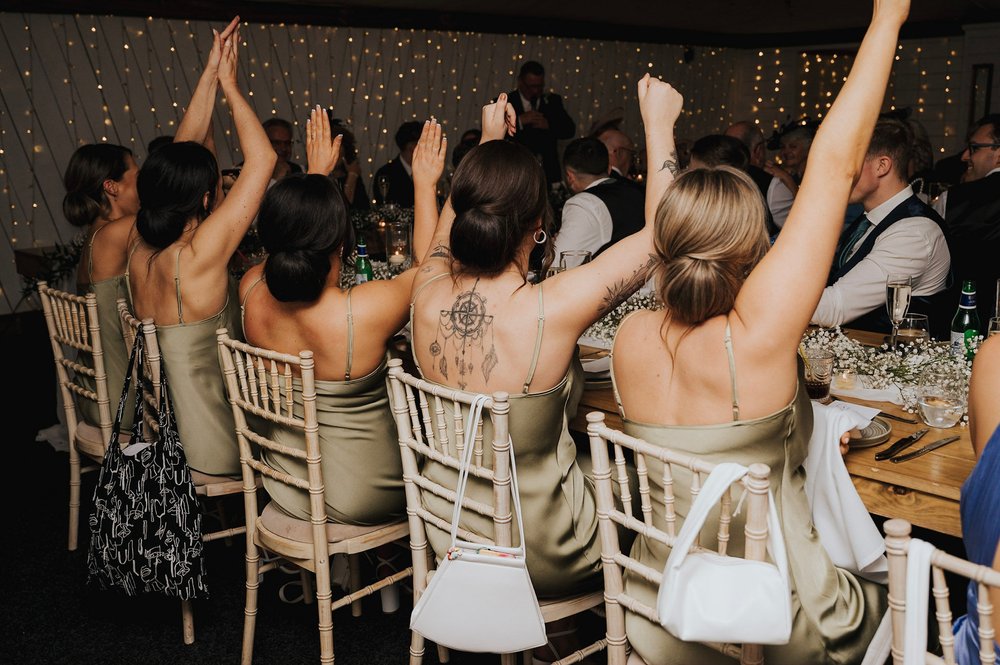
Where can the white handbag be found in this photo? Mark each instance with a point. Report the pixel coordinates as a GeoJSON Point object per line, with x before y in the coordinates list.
{"type": "Point", "coordinates": [706, 597]}
{"type": "Point", "coordinates": [480, 598]}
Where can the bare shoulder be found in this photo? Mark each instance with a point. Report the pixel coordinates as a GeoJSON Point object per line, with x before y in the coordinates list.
{"type": "Point", "coordinates": [250, 277]}
{"type": "Point", "coordinates": [637, 332]}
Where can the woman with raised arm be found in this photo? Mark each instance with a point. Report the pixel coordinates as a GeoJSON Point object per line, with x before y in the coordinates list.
{"type": "Point", "coordinates": [101, 197]}
{"type": "Point", "coordinates": [479, 325]}
{"type": "Point", "coordinates": [715, 373]}
{"type": "Point", "coordinates": [177, 267]}
{"type": "Point", "coordinates": [294, 301]}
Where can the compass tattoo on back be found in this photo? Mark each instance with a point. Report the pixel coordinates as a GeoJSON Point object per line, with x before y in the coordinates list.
{"type": "Point", "coordinates": [465, 325]}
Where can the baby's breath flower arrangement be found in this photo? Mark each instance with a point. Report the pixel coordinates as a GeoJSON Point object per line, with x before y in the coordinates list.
{"type": "Point", "coordinates": [380, 270]}
{"type": "Point", "coordinates": [605, 328]}
{"type": "Point", "coordinates": [879, 367]}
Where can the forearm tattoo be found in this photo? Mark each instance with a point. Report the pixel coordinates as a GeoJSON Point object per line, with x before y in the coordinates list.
{"type": "Point", "coordinates": [465, 324]}
{"type": "Point", "coordinates": [441, 252]}
{"type": "Point", "coordinates": [670, 164]}
{"type": "Point", "coordinates": [622, 289]}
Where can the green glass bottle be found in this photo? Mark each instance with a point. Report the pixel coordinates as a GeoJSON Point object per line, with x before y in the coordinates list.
{"type": "Point", "coordinates": [362, 265]}
{"type": "Point", "coordinates": [965, 326]}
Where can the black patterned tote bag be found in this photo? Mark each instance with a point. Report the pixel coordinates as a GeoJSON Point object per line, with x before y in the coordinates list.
{"type": "Point", "coordinates": [145, 528]}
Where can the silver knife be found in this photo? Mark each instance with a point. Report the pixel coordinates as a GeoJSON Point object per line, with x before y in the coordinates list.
{"type": "Point", "coordinates": [901, 419]}
{"type": "Point", "coordinates": [926, 449]}
{"type": "Point", "coordinates": [900, 445]}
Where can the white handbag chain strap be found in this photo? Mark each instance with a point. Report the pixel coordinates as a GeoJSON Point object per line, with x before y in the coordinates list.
{"type": "Point", "coordinates": [475, 413]}
{"type": "Point", "coordinates": [718, 482]}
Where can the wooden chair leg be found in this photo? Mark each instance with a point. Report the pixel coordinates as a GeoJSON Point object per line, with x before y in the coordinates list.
{"type": "Point", "coordinates": [250, 609]}
{"type": "Point", "coordinates": [444, 656]}
{"type": "Point", "coordinates": [308, 592]}
{"type": "Point", "coordinates": [187, 619]}
{"type": "Point", "coordinates": [74, 497]}
{"type": "Point", "coordinates": [355, 566]}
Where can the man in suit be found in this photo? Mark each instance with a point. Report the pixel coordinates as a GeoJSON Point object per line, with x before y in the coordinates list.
{"type": "Point", "coordinates": [280, 133]}
{"type": "Point", "coordinates": [722, 150]}
{"type": "Point", "coordinates": [541, 118]}
{"type": "Point", "coordinates": [603, 209]}
{"type": "Point", "coordinates": [397, 174]}
{"type": "Point", "coordinates": [971, 211]}
{"type": "Point", "coordinates": [898, 234]}
{"type": "Point", "coordinates": [621, 152]}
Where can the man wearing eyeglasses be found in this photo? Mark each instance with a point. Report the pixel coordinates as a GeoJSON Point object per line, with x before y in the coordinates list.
{"type": "Point", "coordinates": [972, 213]}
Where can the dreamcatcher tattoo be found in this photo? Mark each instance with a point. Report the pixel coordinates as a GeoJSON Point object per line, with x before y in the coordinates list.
{"type": "Point", "coordinates": [465, 324]}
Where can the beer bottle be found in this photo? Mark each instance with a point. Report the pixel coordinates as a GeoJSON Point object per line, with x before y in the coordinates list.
{"type": "Point", "coordinates": [965, 325]}
{"type": "Point", "coordinates": [362, 265]}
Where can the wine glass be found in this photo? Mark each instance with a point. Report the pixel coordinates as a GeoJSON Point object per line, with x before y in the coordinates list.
{"type": "Point", "coordinates": [994, 327]}
{"type": "Point", "coordinates": [914, 329]}
{"type": "Point", "coordinates": [383, 187]}
{"type": "Point", "coordinates": [897, 300]}
{"type": "Point", "coordinates": [573, 258]}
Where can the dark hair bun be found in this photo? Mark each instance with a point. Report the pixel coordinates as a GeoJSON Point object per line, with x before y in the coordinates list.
{"type": "Point", "coordinates": [297, 275]}
{"type": "Point", "coordinates": [80, 209]}
{"type": "Point", "coordinates": [173, 184]}
{"type": "Point", "coordinates": [89, 167]}
{"type": "Point", "coordinates": [160, 227]}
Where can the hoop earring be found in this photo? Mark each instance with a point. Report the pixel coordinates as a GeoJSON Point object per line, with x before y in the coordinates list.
{"type": "Point", "coordinates": [540, 241]}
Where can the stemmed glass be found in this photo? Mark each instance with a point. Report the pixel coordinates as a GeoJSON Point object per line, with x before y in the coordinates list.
{"type": "Point", "coordinates": [897, 300]}
{"type": "Point", "coordinates": [383, 187]}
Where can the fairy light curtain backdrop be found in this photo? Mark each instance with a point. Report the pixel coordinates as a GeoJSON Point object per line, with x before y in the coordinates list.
{"type": "Point", "coordinates": [66, 80]}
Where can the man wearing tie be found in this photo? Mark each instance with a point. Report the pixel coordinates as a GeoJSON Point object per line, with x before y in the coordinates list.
{"type": "Point", "coordinates": [541, 118]}
{"type": "Point", "coordinates": [898, 234]}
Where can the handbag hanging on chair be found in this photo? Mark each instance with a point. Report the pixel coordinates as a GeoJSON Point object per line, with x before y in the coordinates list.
{"type": "Point", "coordinates": [145, 528]}
{"type": "Point", "coordinates": [480, 598]}
{"type": "Point", "coordinates": [707, 597]}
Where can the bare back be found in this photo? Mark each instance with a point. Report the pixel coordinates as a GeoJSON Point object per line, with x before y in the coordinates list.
{"type": "Point", "coordinates": [686, 378]}
{"type": "Point", "coordinates": [105, 251]}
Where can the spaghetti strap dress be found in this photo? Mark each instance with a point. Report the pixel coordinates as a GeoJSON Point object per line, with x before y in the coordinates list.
{"type": "Point", "coordinates": [362, 468]}
{"type": "Point", "coordinates": [190, 357]}
{"type": "Point", "coordinates": [557, 496]}
{"type": "Point", "coordinates": [108, 291]}
{"type": "Point", "coordinates": [980, 509]}
{"type": "Point", "coordinates": [834, 613]}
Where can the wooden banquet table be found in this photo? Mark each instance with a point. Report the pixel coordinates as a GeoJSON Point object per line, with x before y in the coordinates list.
{"type": "Point", "coordinates": [924, 491]}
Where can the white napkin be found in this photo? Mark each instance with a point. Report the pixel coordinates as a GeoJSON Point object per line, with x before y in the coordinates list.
{"type": "Point", "coordinates": [890, 394]}
{"type": "Point", "coordinates": [845, 528]}
{"type": "Point", "coordinates": [596, 368]}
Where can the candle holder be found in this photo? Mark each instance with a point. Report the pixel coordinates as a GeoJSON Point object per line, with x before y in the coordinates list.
{"type": "Point", "coordinates": [398, 245]}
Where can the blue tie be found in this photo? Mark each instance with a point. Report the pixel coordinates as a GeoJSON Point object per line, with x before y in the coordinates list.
{"type": "Point", "coordinates": [859, 231]}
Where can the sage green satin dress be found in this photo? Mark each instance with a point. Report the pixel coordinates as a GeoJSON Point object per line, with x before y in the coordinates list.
{"type": "Point", "coordinates": [190, 358]}
{"type": "Point", "coordinates": [557, 494]}
{"type": "Point", "coordinates": [835, 614]}
{"type": "Point", "coordinates": [108, 291]}
{"type": "Point", "coordinates": [362, 468]}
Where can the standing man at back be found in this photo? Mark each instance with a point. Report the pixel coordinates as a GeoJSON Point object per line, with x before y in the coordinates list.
{"type": "Point", "coordinates": [541, 118]}
{"type": "Point", "coordinates": [603, 209]}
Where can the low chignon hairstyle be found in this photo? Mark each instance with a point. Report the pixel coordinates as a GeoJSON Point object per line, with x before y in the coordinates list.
{"type": "Point", "coordinates": [709, 234]}
{"type": "Point", "coordinates": [499, 194]}
{"type": "Point", "coordinates": [88, 169]}
{"type": "Point", "coordinates": [302, 222]}
{"type": "Point", "coordinates": [172, 184]}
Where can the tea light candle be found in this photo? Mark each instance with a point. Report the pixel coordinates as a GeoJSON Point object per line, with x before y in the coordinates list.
{"type": "Point", "coordinates": [396, 259]}
{"type": "Point", "coordinates": [846, 379]}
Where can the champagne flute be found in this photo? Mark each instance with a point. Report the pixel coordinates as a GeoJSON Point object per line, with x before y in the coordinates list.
{"type": "Point", "coordinates": [898, 288]}
{"type": "Point", "coordinates": [383, 187]}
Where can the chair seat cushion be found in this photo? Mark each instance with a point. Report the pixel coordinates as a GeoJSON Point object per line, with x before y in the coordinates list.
{"type": "Point", "coordinates": [90, 442]}
{"type": "Point", "coordinates": [281, 524]}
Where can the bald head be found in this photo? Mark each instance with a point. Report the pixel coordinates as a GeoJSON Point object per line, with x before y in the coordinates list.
{"type": "Point", "coordinates": [620, 149]}
{"type": "Point", "coordinates": [751, 136]}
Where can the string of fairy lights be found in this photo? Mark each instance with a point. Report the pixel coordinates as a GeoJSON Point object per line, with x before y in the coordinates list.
{"type": "Point", "coordinates": [73, 79]}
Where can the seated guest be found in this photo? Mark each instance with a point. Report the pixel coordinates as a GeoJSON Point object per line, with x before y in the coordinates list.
{"type": "Point", "coordinates": [498, 211]}
{"type": "Point", "coordinates": [715, 150]}
{"type": "Point", "coordinates": [777, 195]}
{"type": "Point", "coordinates": [177, 267]}
{"type": "Point", "coordinates": [101, 197]}
{"type": "Point", "coordinates": [980, 501]}
{"type": "Point", "coordinates": [715, 373]}
{"type": "Point", "coordinates": [898, 234]}
{"type": "Point", "coordinates": [347, 172]}
{"type": "Point", "coordinates": [294, 302]}
{"type": "Point", "coordinates": [621, 153]}
{"type": "Point", "coordinates": [397, 174]}
{"type": "Point", "coordinates": [603, 210]}
{"type": "Point", "coordinates": [971, 212]}
{"type": "Point", "coordinates": [280, 133]}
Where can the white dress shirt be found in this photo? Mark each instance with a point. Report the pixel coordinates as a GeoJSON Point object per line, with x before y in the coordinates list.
{"type": "Point", "coordinates": [912, 246]}
{"type": "Point", "coordinates": [586, 223]}
{"type": "Point", "coordinates": [779, 201]}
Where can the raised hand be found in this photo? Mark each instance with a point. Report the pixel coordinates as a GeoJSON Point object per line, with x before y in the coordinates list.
{"type": "Point", "coordinates": [229, 60]}
{"type": "Point", "coordinates": [499, 120]}
{"type": "Point", "coordinates": [218, 39]}
{"type": "Point", "coordinates": [659, 102]}
{"type": "Point", "coordinates": [891, 10]}
{"type": "Point", "coordinates": [429, 155]}
{"type": "Point", "coordinates": [322, 153]}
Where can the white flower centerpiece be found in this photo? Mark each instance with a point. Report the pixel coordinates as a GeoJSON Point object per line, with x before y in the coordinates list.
{"type": "Point", "coordinates": [604, 329]}
{"type": "Point", "coordinates": [882, 368]}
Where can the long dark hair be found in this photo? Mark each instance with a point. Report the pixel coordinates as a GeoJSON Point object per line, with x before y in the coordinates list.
{"type": "Point", "coordinates": [172, 185]}
{"type": "Point", "coordinates": [499, 193]}
{"type": "Point", "coordinates": [302, 221]}
{"type": "Point", "coordinates": [88, 169]}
